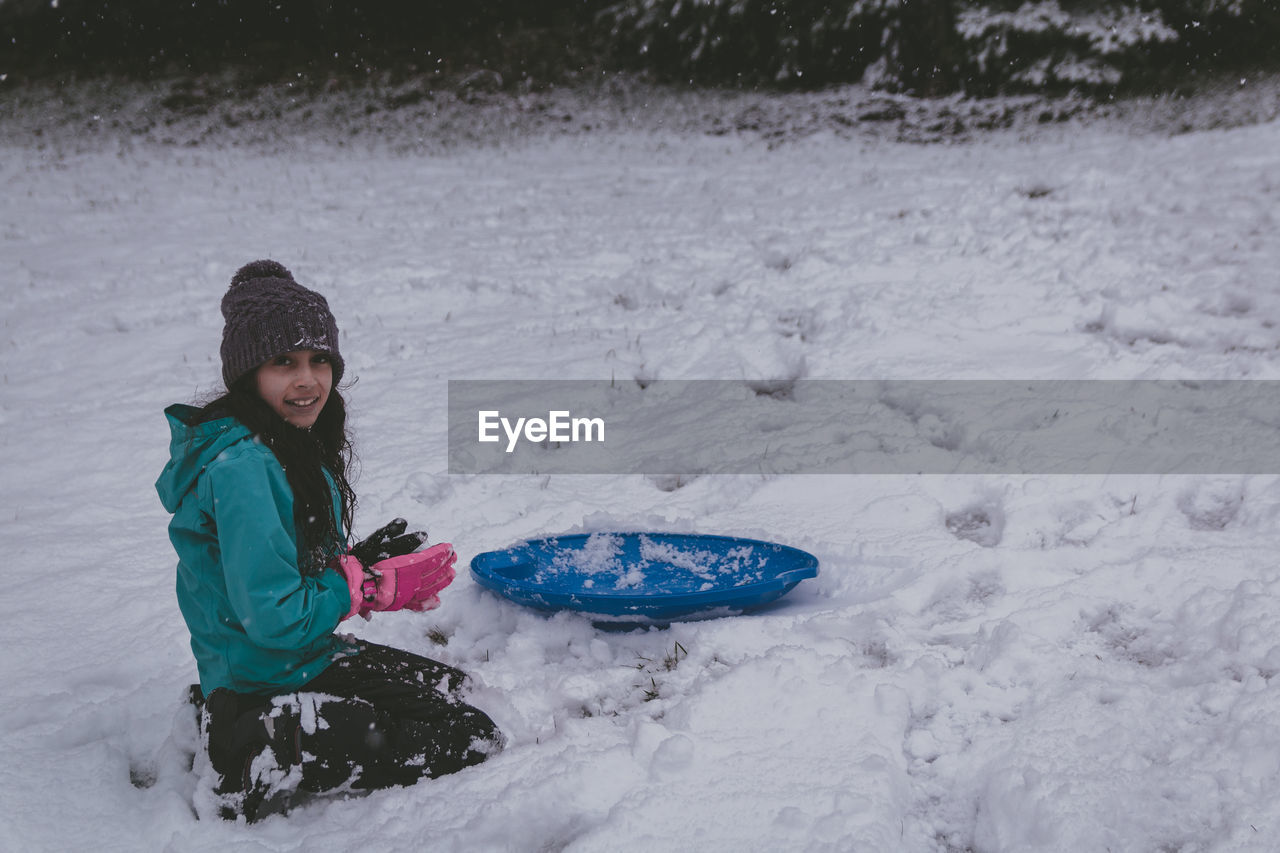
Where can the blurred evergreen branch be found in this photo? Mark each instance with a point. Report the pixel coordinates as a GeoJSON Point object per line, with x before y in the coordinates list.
{"type": "Point", "coordinates": [922, 47]}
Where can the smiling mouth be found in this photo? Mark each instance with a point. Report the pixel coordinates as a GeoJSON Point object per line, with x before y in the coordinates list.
{"type": "Point", "coordinates": [303, 404]}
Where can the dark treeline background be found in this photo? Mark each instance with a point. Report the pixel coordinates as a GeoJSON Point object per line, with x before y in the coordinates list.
{"type": "Point", "coordinates": [149, 36]}
{"type": "Point", "coordinates": [924, 47]}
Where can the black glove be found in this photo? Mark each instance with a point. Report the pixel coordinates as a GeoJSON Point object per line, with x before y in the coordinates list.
{"type": "Point", "coordinates": [388, 541]}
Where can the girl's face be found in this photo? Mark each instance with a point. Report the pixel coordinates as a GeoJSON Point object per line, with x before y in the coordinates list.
{"type": "Point", "coordinates": [296, 385]}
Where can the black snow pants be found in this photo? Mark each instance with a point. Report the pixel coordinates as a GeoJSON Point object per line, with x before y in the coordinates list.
{"type": "Point", "coordinates": [374, 719]}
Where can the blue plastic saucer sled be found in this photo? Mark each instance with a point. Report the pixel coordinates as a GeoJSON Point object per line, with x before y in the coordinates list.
{"type": "Point", "coordinates": [660, 577]}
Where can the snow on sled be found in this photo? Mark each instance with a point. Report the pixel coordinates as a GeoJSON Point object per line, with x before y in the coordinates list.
{"type": "Point", "coordinates": [637, 577]}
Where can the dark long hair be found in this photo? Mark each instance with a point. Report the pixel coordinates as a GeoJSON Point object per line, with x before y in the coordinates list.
{"type": "Point", "coordinates": [304, 454]}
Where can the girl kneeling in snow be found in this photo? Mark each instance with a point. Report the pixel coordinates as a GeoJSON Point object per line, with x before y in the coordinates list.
{"type": "Point", "coordinates": [257, 484]}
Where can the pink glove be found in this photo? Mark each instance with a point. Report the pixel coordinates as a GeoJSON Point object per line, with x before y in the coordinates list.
{"type": "Point", "coordinates": [362, 586]}
{"type": "Point", "coordinates": [412, 581]}
{"type": "Point", "coordinates": [434, 575]}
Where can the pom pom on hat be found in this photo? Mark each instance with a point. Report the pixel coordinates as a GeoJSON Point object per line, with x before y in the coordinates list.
{"type": "Point", "coordinates": [260, 269]}
{"type": "Point", "coordinates": [267, 314]}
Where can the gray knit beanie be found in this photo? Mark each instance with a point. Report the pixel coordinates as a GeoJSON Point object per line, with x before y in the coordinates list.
{"type": "Point", "coordinates": [267, 314]}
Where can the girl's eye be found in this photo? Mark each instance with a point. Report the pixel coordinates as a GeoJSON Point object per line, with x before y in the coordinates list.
{"type": "Point", "coordinates": [282, 361]}
{"type": "Point", "coordinates": [320, 358]}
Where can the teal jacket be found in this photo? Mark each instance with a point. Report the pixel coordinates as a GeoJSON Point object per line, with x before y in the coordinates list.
{"type": "Point", "coordinates": [257, 624]}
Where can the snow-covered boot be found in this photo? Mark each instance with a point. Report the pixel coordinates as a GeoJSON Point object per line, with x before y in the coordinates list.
{"type": "Point", "coordinates": [255, 747]}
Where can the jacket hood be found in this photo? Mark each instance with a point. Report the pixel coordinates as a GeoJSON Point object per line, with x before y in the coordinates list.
{"type": "Point", "coordinates": [192, 446]}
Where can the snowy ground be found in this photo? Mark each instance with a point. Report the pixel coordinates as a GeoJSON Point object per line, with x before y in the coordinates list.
{"type": "Point", "coordinates": [985, 663]}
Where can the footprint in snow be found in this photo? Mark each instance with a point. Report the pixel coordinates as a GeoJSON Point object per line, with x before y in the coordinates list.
{"type": "Point", "coordinates": [981, 523]}
{"type": "Point", "coordinates": [1211, 506]}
